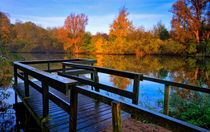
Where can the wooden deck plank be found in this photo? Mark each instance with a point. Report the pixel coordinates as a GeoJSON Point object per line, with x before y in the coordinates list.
{"type": "Point", "coordinates": [92, 115]}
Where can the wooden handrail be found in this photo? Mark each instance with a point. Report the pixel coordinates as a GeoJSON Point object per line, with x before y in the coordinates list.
{"type": "Point", "coordinates": [61, 84]}
{"type": "Point", "coordinates": [176, 84]}
{"type": "Point", "coordinates": [131, 75]}
{"type": "Point", "coordinates": [58, 61]}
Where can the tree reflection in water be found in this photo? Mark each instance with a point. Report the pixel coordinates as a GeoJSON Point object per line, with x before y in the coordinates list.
{"type": "Point", "coordinates": [7, 114]}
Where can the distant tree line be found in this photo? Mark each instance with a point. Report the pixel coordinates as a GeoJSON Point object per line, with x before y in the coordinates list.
{"type": "Point", "coordinates": [189, 35]}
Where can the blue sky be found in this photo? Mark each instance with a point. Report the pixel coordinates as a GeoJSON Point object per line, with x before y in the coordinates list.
{"type": "Point", "coordinates": [101, 13]}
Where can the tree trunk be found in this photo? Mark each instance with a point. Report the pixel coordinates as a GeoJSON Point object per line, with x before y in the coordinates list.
{"type": "Point", "coordinates": [196, 73]}
{"type": "Point", "coordinates": [197, 37]}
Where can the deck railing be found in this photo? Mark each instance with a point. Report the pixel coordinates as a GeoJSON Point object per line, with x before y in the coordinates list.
{"type": "Point", "coordinates": [137, 77]}
{"type": "Point", "coordinates": [61, 84]}
{"type": "Point", "coordinates": [117, 105]}
{"type": "Point", "coordinates": [134, 95]}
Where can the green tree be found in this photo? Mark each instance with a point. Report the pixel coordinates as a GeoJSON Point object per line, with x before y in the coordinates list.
{"type": "Point", "coordinates": [161, 31]}
{"type": "Point", "coordinates": [86, 42]}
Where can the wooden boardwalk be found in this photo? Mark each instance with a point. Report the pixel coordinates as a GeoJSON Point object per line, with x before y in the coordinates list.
{"type": "Point", "coordinates": [58, 102]}
{"type": "Point", "coordinates": [92, 115]}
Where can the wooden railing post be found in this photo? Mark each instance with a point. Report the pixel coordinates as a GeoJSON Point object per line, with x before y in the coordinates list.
{"type": "Point", "coordinates": [136, 85]}
{"type": "Point", "coordinates": [16, 99]}
{"type": "Point", "coordinates": [96, 79]}
{"type": "Point", "coordinates": [45, 100]}
{"type": "Point", "coordinates": [48, 66]}
{"type": "Point", "coordinates": [64, 68]}
{"type": "Point", "coordinates": [166, 100]}
{"type": "Point", "coordinates": [26, 84]}
{"type": "Point", "coordinates": [92, 78]}
{"type": "Point", "coordinates": [15, 75]}
{"type": "Point", "coordinates": [116, 117]}
{"type": "Point", "coordinates": [73, 110]}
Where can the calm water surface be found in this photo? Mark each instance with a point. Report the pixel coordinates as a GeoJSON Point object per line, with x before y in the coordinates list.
{"type": "Point", "coordinates": [194, 71]}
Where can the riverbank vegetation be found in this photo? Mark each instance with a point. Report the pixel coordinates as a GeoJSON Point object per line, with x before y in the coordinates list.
{"type": "Point", "coordinates": [5, 69]}
{"type": "Point", "coordinates": [189, 35]}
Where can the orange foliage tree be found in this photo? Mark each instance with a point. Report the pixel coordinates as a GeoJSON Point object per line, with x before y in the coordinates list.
{"type": "Point", "coordinates": [5, 29]}
{"type": "Point", "coordinates": [119, 31]}
{"type": "Point", "coordinates": [73, 30]}
{"type": "Point", "coordinates": [190, 20]}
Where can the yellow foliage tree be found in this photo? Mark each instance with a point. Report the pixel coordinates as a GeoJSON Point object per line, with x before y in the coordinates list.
{"type": "Point", "coordinates": [119, 31]}
{"type": "Point", "coordinates": [99, 43]}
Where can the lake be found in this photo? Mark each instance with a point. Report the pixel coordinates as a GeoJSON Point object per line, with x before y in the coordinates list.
{"type": "Point", "coordinates": [187, 70]}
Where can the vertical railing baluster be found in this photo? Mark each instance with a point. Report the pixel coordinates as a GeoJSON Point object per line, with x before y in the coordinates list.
{"type": "Point", "coordinates": [116, 117]}
{"type": "Point", "coordinates": [15, 75]}
{"type": "Point", "coordinates": [48, 66]}
{"type": "Point", "coordinates": [166, 100]}
{"type": "Point", "coordinates": [73, 110]}
{"type": "Point", "coordinates": [92, 77]}
{"type": "Point", "coordinates": [26, 83]}
{"type": "Point", "coordinates": [63, 68]}
{"type": "Point", "coordinates": [45, 100]}
{"type": "Point", "coordinates": [136, 85]}
{"type": "Point", "coordinates": [96, 78]}
{"type": "Point", "coordinates": [16, 99]}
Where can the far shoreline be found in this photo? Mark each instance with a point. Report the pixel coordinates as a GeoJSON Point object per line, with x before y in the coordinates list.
{"type": "Point", "coordinates": [130, 54]}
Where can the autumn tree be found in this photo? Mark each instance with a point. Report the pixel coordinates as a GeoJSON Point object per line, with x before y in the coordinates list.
{"type": "Point", "coordinates": [99, 43]}
{"type": "Point", "coordinates": [189, 20]}
{"type": "Point", "coordinates": [28, 37]}
{"type": "Point", "coordinates": [73, 30]}
{"type": "Point", "coordinates": [5, 28]}
{"type": "Point", "coordinates": [119, 31]}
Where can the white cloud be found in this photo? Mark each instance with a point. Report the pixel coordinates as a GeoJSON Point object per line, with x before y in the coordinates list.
{"type": "Point", "coordinates": [144, 16]}
{"type": "Point", "coordinates": [99, 23]}
{"type": "Point", "coordinates": [41, 21]}
{"type": "Point", "coordinates": [95, 23]}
